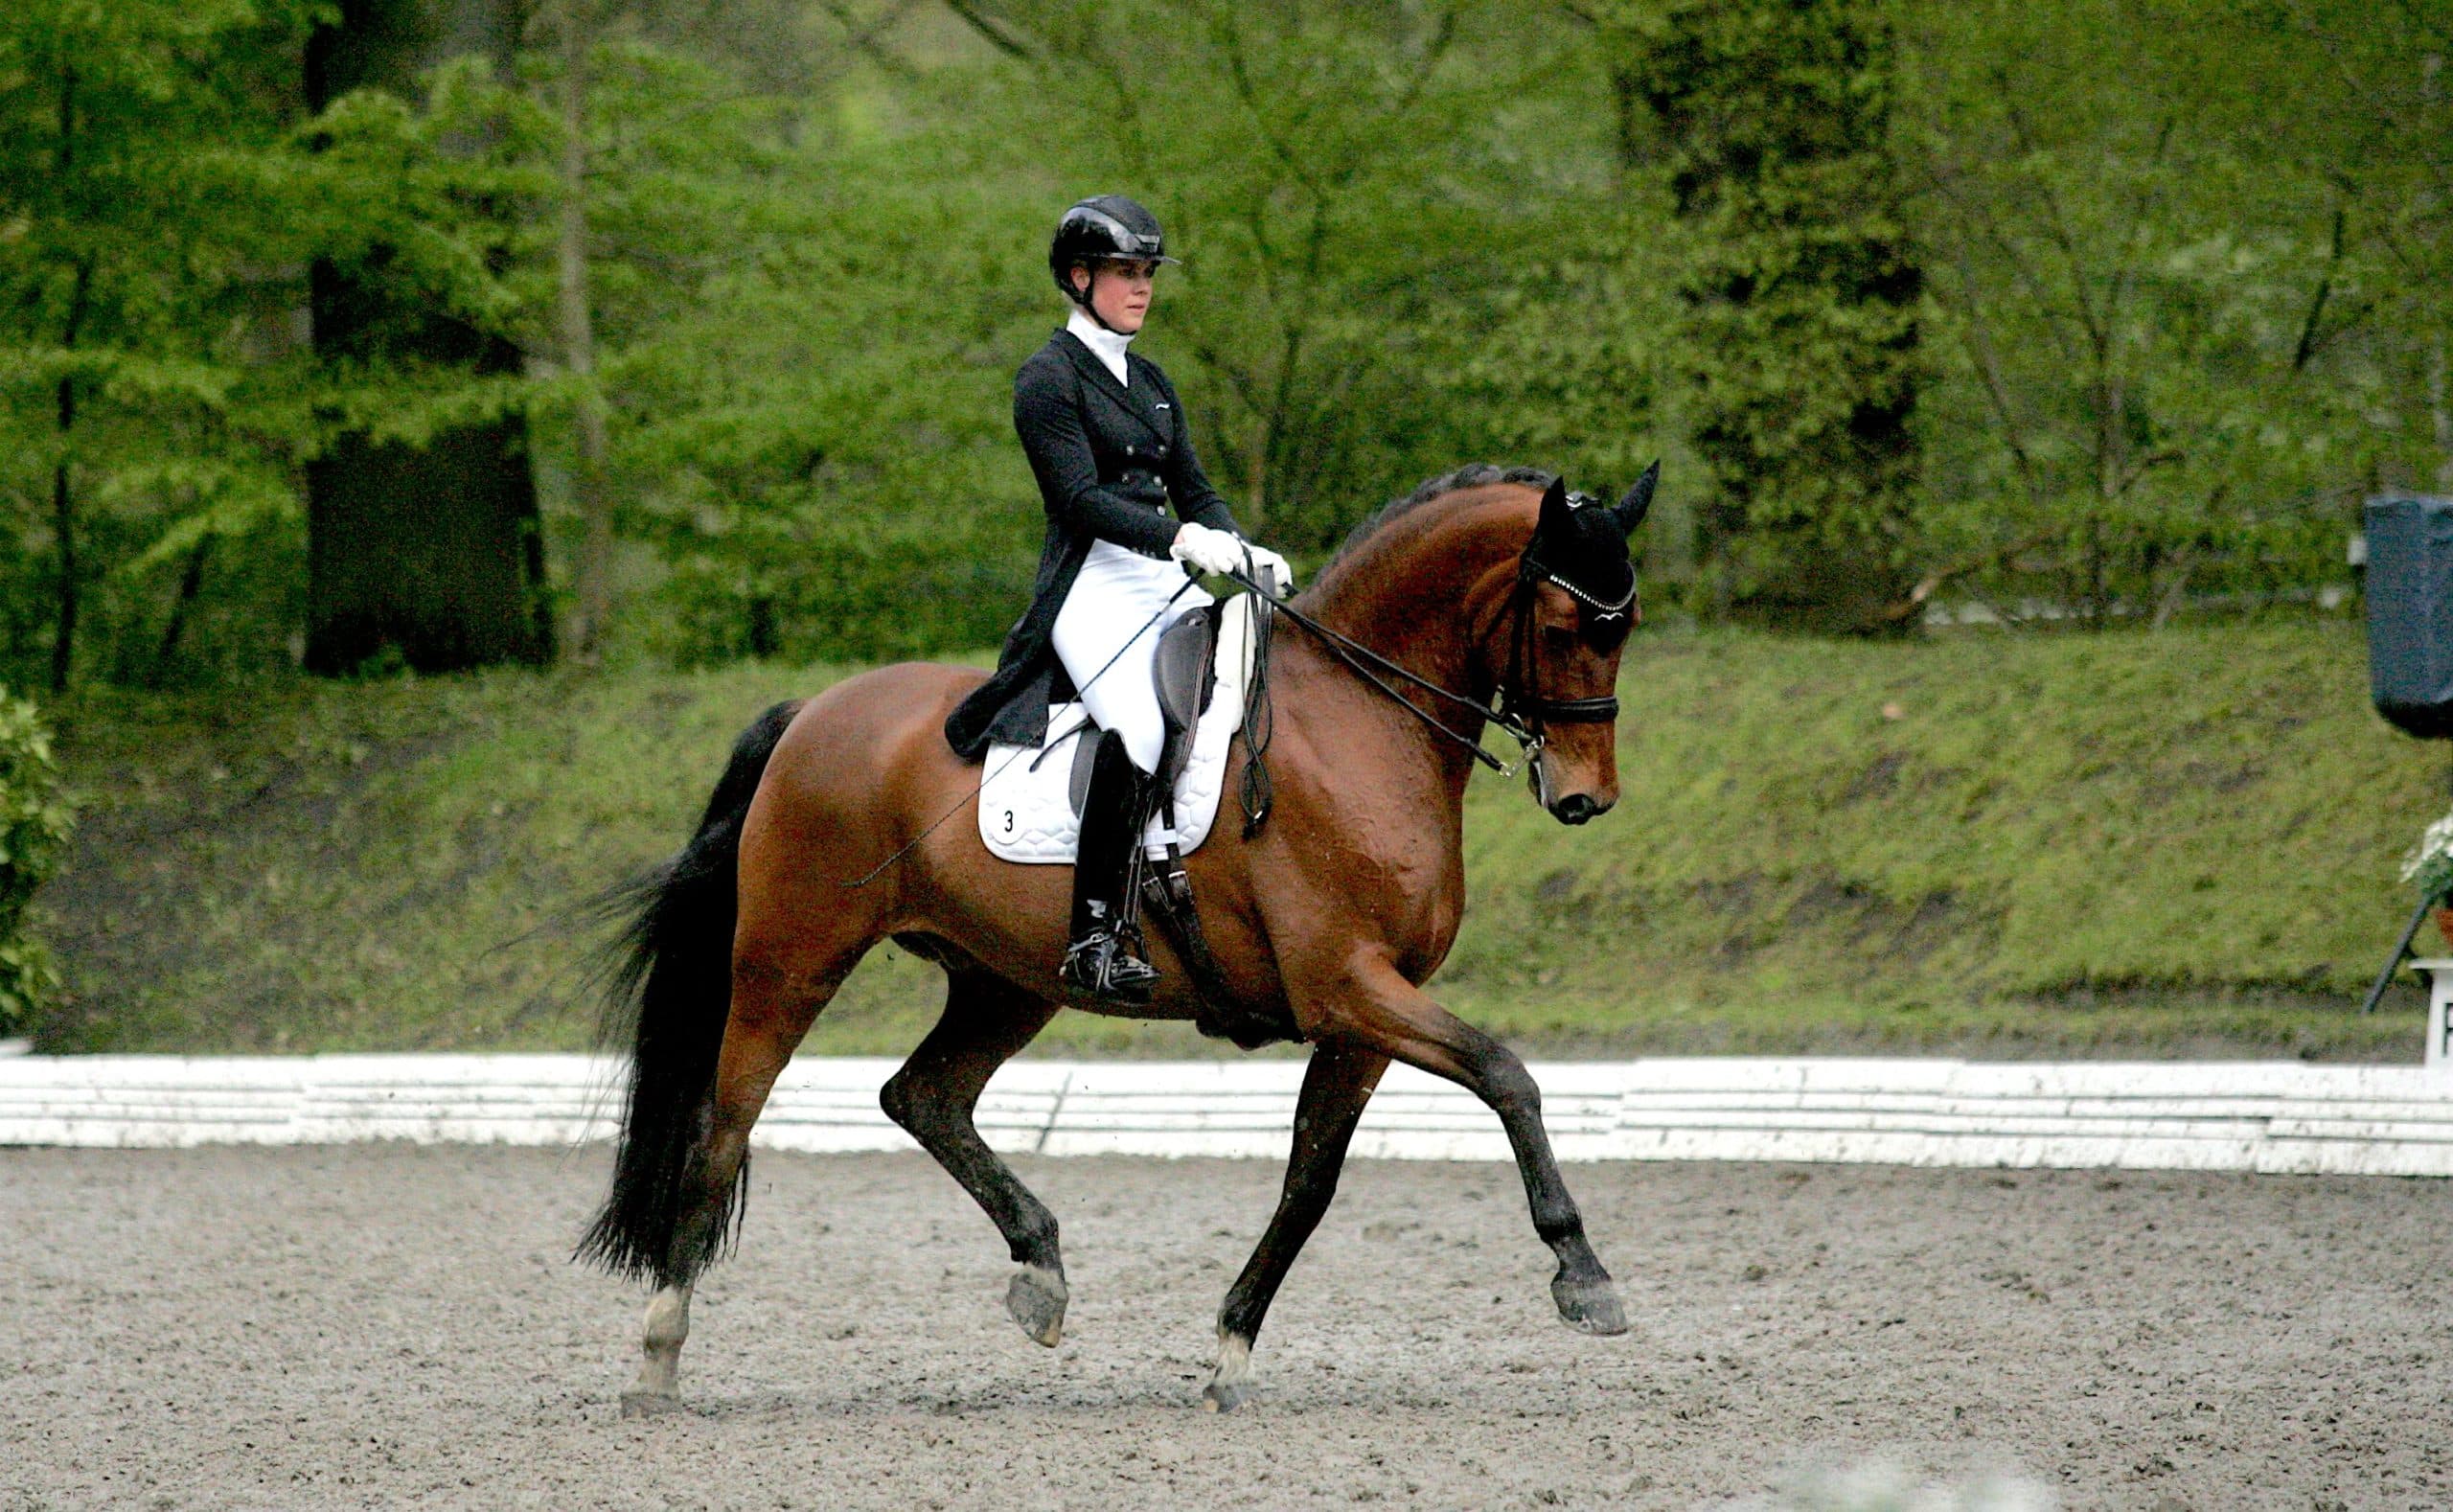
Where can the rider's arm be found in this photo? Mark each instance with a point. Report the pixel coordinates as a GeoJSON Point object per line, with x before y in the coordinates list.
{"type": "Point", "coordinates": [1047, 415]}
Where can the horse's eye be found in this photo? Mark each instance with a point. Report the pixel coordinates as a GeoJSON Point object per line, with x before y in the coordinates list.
{"type": "Point", "coordinates": [1605, 632]}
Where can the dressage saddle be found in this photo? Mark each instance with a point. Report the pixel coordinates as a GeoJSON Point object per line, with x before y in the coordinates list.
{"type": "Point", "coordinates": [1184, 674]}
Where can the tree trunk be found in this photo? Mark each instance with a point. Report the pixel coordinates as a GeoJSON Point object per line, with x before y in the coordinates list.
{"type": "Point", "coordinates": [63, 502]}
{"type": "Point", "coordinates": [595, 575]}
{"type": "Point", "coordinates": [434, 550]}
{"type": "Point", "coordinates": [63, 525]}
{"type": "Point", "coordinates": [174, 628]}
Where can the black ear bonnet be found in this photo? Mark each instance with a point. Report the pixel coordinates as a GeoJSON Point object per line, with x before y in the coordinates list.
{"type": "Point", "coordinates": [1581, 545]}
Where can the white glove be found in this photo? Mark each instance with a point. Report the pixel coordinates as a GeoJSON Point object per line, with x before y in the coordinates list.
{"type": "Point", "coordinates": [1207, 549]}
{"type": "Point", "coordinates": [1270, 571]}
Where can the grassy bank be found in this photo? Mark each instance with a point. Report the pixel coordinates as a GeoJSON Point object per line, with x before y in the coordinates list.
{"type": "Point", "coordinates": [2167, 843]}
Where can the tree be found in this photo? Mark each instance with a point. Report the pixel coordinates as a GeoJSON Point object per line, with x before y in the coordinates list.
{"type": "Point", "coordinates": [425, 540]}
{"type": "Point", "coordinates": [2378, 82]}
{"type": "Point", "coordinates": [2187, 298]}
{"type": "Point", "coordinates": [143, 194]}
{"type": "Point", "coordinates": [1375, 201]}
{"type": "Point", "coordinates": [576, 23]}
{"type": "Point", "coordinates": [1801, 297]}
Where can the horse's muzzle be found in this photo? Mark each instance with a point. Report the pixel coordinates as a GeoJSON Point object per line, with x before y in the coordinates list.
{"type": "Point", "coordinates": [1577, 808]}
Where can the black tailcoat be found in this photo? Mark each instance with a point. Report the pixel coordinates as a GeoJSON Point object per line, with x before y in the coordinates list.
{"type": "Point", "coordinates": [1109, 458]}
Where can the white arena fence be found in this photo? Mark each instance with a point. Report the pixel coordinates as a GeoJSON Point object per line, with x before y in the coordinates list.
{"type": "Point", "coordinates": [2222, 1116]}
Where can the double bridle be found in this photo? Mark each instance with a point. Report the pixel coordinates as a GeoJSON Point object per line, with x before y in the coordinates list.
{"type": "Point", "coordinates": [1516, 706]}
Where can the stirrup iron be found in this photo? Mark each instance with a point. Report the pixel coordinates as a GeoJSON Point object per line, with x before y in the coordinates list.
{"type": "Point", "coordinates": [1110, 960]}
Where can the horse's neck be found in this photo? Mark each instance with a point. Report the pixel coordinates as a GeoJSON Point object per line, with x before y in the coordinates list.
{"type": "Point", "coordinates": [1418, 592]}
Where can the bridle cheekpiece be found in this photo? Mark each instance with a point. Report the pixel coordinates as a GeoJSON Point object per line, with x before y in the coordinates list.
{"type": "Point", "coordinates": [1522, 710]}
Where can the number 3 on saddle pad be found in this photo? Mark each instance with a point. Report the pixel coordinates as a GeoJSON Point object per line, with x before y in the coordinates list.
{"type": "Point", "coordinates": [1026, 803]}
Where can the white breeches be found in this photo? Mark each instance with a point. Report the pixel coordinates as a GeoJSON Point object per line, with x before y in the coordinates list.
{"type": "Point", "coordinates": [1112, 619]}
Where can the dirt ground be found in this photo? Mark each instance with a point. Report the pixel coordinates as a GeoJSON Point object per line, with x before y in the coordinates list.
{"type": "Point", "coordinates": [397, 1327]}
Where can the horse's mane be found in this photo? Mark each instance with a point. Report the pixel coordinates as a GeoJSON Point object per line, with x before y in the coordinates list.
{"type": "Point", "coordinates": [1472, 475]}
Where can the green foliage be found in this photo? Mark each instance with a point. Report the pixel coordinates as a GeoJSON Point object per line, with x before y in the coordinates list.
{"type": "Point", "coordinates": [137, 285]}
{"type": "Point", "coordinates": [2190, 300]}
{"type": "Point", "coordinates": [806, 350]}
{"type": "Point", "coordinates": [1802, 292]}
{"type": "Point", "coordinates": [34, 830]}
{"type": "Point", "coordinates": [2120, 843]}
{"type": "Point", "coordinates": [1391, 218]}
{"type": "Point", "coordinates": [810, 309]}
{"type": "Point", "coordinates": [2181, 310]}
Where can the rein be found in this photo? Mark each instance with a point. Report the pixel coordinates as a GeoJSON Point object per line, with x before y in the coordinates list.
{"type": "Point", "coordinates": [1514, 694]}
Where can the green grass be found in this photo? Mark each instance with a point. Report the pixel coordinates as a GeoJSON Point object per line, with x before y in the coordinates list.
{"type": "Point", "coordinates": [2135, 845]}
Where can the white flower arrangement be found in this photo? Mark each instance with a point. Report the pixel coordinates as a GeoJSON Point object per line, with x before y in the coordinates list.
{"type": "Point", "coordinates": [2430, 864]}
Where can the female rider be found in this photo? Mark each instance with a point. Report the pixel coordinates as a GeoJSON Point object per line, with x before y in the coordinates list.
{"type": "Point", "coordinates": [1109, 444]}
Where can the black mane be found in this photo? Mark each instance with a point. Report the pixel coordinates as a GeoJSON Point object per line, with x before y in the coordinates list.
{"type": "Point", "coordinates": [1472, 475]}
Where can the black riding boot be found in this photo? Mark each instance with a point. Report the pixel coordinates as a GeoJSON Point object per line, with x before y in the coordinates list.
{"type": "Point", "coordinates": [1106, 957]}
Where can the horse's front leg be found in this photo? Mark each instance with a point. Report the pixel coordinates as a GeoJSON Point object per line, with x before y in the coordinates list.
{"type": "Point", "coordinates": [1336, 1085]}
{"type": "Point", "coordinates": [1383, 1010]}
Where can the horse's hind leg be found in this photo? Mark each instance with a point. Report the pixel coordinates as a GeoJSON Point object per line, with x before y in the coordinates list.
{"type": "Point", "coordinates": [777, 993]}
{"type": "Point", "coordinates": [1336, 1085]}
{"type": "Point", "coordinates": [987, 1019]}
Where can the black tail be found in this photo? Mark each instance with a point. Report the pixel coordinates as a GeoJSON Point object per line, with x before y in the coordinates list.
{"type": "Point", "coordinates": [668, 990]}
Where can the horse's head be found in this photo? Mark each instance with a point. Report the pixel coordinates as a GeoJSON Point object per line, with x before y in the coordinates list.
{"type": "Point", "coordinates": [1564, 628]}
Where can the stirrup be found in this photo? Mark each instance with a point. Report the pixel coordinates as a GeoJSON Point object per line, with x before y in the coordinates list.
{"type": "Point", "coordinates": [1108, 963]}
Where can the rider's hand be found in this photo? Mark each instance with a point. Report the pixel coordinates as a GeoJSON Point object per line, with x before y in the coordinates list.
{"type": "Point", "coordinates": [1206, 549]}
{"type": "Point", "coordinates": [1221, 550]}
{"type": "Point", "coordinates": [1272, 570]}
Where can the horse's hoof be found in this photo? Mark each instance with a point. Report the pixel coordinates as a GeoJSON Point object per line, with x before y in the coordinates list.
{"type": "Point", "coordinates": [1224, 1396]}
{"type": "Point", "coordinates": [1037, 1299]}
{"type": "Point", "coordinates": [1590, 1307]}
{"type": "Point", "coordinates": [650, 1404]}
{"type": "Point", "coordinates": [1230, 1385]}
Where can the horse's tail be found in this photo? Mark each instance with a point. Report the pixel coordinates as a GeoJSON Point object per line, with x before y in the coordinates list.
{"type": "Point", "coordinates": [669, 989]}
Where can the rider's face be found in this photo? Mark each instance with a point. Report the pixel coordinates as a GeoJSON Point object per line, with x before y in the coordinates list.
{"type": "Point", "coordinates": [1120, 292]}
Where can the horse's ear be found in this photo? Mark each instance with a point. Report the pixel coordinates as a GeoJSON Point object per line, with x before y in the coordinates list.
{"type": "Point", "coordinates": [1630, 511]}
{"type": "Point", "coordinates": [1554, 509]}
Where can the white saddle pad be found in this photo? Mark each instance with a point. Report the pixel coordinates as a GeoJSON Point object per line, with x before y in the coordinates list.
{"type": "Point", "coordinates": [1026, 805]}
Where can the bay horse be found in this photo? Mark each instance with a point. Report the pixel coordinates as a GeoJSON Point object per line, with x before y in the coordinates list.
{"type": "Point", "coordinates": [1485, 586]}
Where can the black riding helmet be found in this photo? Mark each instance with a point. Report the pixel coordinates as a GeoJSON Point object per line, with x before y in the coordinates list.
{"type": "Point", "coordinates": [1109, 227]}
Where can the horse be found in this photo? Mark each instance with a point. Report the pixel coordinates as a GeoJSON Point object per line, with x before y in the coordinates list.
{"type": "Point", "coordinates": [1487, 594]}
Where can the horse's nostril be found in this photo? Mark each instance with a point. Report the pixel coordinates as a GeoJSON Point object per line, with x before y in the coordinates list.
{"type": "Point", "coordinates": [1574, 808]}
